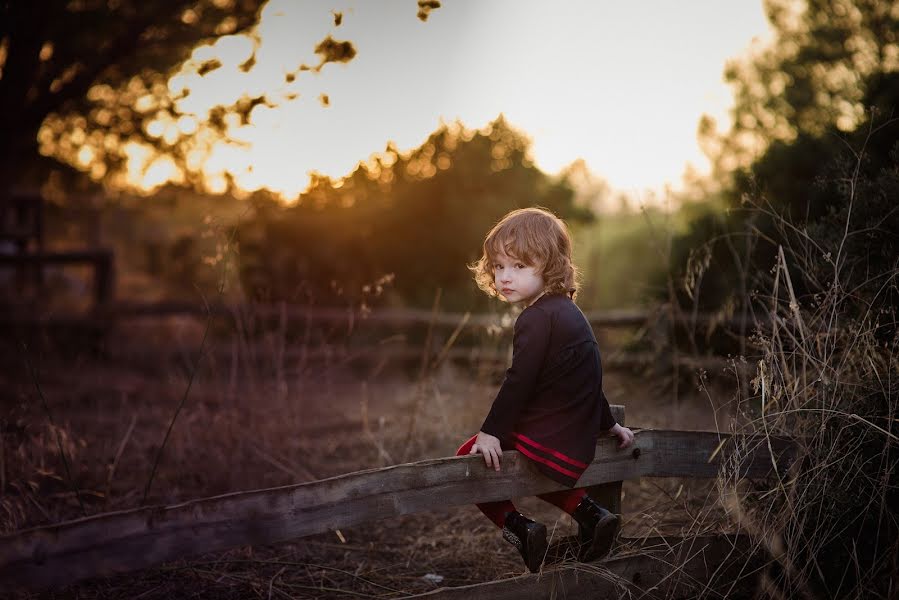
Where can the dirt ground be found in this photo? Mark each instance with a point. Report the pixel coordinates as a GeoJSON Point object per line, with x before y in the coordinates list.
{"type": "Point", "coordinates": [259, 416]}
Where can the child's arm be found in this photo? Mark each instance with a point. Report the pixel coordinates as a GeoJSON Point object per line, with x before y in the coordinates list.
{"type": "Point", "coordinates": [529, 343]}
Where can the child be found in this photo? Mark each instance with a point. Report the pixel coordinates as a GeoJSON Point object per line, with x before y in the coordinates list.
{"type": "Point", "coordinates": [551, 405]}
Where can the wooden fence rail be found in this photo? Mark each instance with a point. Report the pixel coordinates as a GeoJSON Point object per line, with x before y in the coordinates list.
{"type": "Point", "coordinates": [397, 316]}
{"type": "Point", "coordinates": [100, 260]}
{"type": "Point", "coordinates": [391, 316]}
{"type": "Point", "coordinates": [124, 541]}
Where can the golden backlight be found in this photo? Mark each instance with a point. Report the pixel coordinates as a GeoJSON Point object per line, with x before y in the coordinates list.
{"type": "Point", "coordinates": [621, 86]}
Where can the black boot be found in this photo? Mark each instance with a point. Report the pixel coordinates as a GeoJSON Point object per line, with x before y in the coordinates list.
{"type": "Point", "coordinates": [528, 536]}
{"type": "Point", "coordinates": [597, 529]}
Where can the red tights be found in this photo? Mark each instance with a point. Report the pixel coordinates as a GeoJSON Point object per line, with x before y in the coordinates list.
{"type": "Point", "coordinates": [567, 500]}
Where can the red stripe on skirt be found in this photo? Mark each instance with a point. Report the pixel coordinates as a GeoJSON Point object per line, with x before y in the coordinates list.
{"type": "Point", "coordinates": [555, 453]}
{"type": "Point", "coordinates": [546, 462]}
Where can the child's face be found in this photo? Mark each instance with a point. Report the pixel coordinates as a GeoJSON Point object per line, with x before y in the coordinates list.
{"type": "Point", "coordinates": [516, 281]}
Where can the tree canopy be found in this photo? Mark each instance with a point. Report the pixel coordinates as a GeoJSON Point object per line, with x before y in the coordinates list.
{"type": "Point", "coordinates": [417, 218]}
{"type": "Point", "coordinates": [812, 154]}
{"type": "Point", "coordinates": [814, 76]}
{"type": "Point", "coordinates": [52, 55]}
{"type": "Point", "coordinates": [80, 80]}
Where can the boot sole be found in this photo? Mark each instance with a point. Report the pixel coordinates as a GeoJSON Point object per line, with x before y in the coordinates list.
{"type": "Point", "coordinates": [603, 539]}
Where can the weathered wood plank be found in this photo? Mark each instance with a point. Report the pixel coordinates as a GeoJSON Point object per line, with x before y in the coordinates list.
{"type": "Point", "coordinates": [101, 259]}
{"type": "Point", "coordinates": [394, 316]}
{"type": "Point", "coordinates": [398, 316]}
{"type": "Point", "coordinates": [128, 540]}
{"type": "Point", "coordinates": [56, 258]}
{"type": "Point", "coordinates": [617, 412]}
{"type": "Point", "coordinates": [609, 494]}
{"type": "Point", "coordinates": [713, 565]}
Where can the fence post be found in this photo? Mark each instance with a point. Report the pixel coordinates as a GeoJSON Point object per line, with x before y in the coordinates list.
{"type": "Point", "coordinates": [609, 494]}
{"type": "Point", "coordinates": [104, 279]}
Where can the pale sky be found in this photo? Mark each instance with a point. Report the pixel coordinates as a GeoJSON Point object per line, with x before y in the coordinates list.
{"type": "Point", "coordinates": [620, 84]}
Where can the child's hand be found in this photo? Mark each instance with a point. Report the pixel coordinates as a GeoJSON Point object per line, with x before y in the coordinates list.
{"type": "Point", "coordinates": [489, 446]}
{"type": "Point", "coordinates": [624, 435]}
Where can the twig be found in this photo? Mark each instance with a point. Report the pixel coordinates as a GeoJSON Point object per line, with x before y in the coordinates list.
{"type": "Point", "coordinates": [168, 432]}
{"type": "Point", "coordinates": [293, 469]}
{"type": "Point", "coordinates": [2, 462]}
{"type": "Point", "coordinates": [444, 352]}
{"type": "Point", "coordinates": [422, 372]}
{"type": "Point", "coordinates": [55, 429]}
{"type": "Point", "coordinates": [193, 373]}
{"type": "Point", "coordinates": [271, 581]}
{"type": "Point", "coordinates": [118, 455]}
{"type": "Point", "coordinates": [366, 428]}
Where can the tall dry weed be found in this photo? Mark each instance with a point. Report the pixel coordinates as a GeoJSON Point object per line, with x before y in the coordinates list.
{"type": "Point", "coordinates": [826, 354]}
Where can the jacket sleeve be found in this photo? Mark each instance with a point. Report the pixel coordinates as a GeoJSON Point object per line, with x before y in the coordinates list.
{"type": "Point", "coordinates": [529, 346]}
{"type": "Point", "coordinates": [606, 420]}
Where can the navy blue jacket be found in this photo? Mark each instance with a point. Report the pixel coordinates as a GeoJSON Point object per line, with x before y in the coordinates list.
{"type": "Point", "coordinates": [551, 406]}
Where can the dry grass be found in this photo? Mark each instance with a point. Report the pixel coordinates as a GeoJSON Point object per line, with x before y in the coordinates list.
{"type": "Point", "coordinates": [275, 403]}
{"type": "Point", "coordinates": [262, 413]}
{"type": "Point", "coordinates": [825, 367]}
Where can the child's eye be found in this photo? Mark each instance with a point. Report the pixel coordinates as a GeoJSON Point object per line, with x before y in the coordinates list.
{"type": "Point", "coordinates": [519, 266]}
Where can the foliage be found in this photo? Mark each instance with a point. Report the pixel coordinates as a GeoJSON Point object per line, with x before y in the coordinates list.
{"type": "Point", "coordinates": [799, 178]}
{"type": "Point", "coordinates": [827, 348]}
{"type": "Point", "coordinates": [620, 256]}
{"type": "Point", "coordinates": [54, 53]}
{"type": "Point", "coordinates": [809, 184]}
{"type": "Point", "coordinates": [805, 111]}
{"type": "Point", "coordinates": [807, 250]}
{"type": "Point", "coordinates": [86, 82]}
{"type": "Point", "coordinates": [419, 217]}
{"type": "Point", "coordinates": [816, 75]}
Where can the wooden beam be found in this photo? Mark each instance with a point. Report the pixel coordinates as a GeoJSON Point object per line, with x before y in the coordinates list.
{"type": "Point", "coordinates": [102, 261]}
{"type": "Point", "coordinates": [392, 316]}
{"type": "Point", "coordinates": [714, 565]}
{"type": "Point", "coordinates": [609, 494]}
{"type": "Point", "coordinates": [39, 259]}
{"type": "Point", "coordinates": [124, 541]}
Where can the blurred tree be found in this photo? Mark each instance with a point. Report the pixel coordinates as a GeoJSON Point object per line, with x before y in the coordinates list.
{"type": "Point", "coordinates": [420, 217]}
{"type": "Point", "coordinates": [803, 105]}
{"type": "Point", "coordinates": [836, 189]}
{"type": "Point", "coordinates": [53, 53]}
{"type": "Point", "coordinates": [814, 76]}
{"type": "Point", "coordinates": [590, 190]}
{"type": "Point", "coordinates": [808, 239]}
{"type": "Point", "coordinates": [87, 83]}
{"type": "Point", "coordinates": [828, 63]}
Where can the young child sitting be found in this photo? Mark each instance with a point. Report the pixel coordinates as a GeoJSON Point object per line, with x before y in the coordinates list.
{"type": "Point", "coordinates": [551, 406]}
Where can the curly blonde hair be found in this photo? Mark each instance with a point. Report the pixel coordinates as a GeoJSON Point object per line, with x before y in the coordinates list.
{"type": "Point", "coordinates": [536, 237]}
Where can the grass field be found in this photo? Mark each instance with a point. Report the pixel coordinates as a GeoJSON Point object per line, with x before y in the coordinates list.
{"type": "Point", "coordinates": [266, 422]}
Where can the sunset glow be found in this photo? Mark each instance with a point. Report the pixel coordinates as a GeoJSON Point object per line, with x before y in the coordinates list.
{"type": "Point", "coordinates": [622, 86]}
